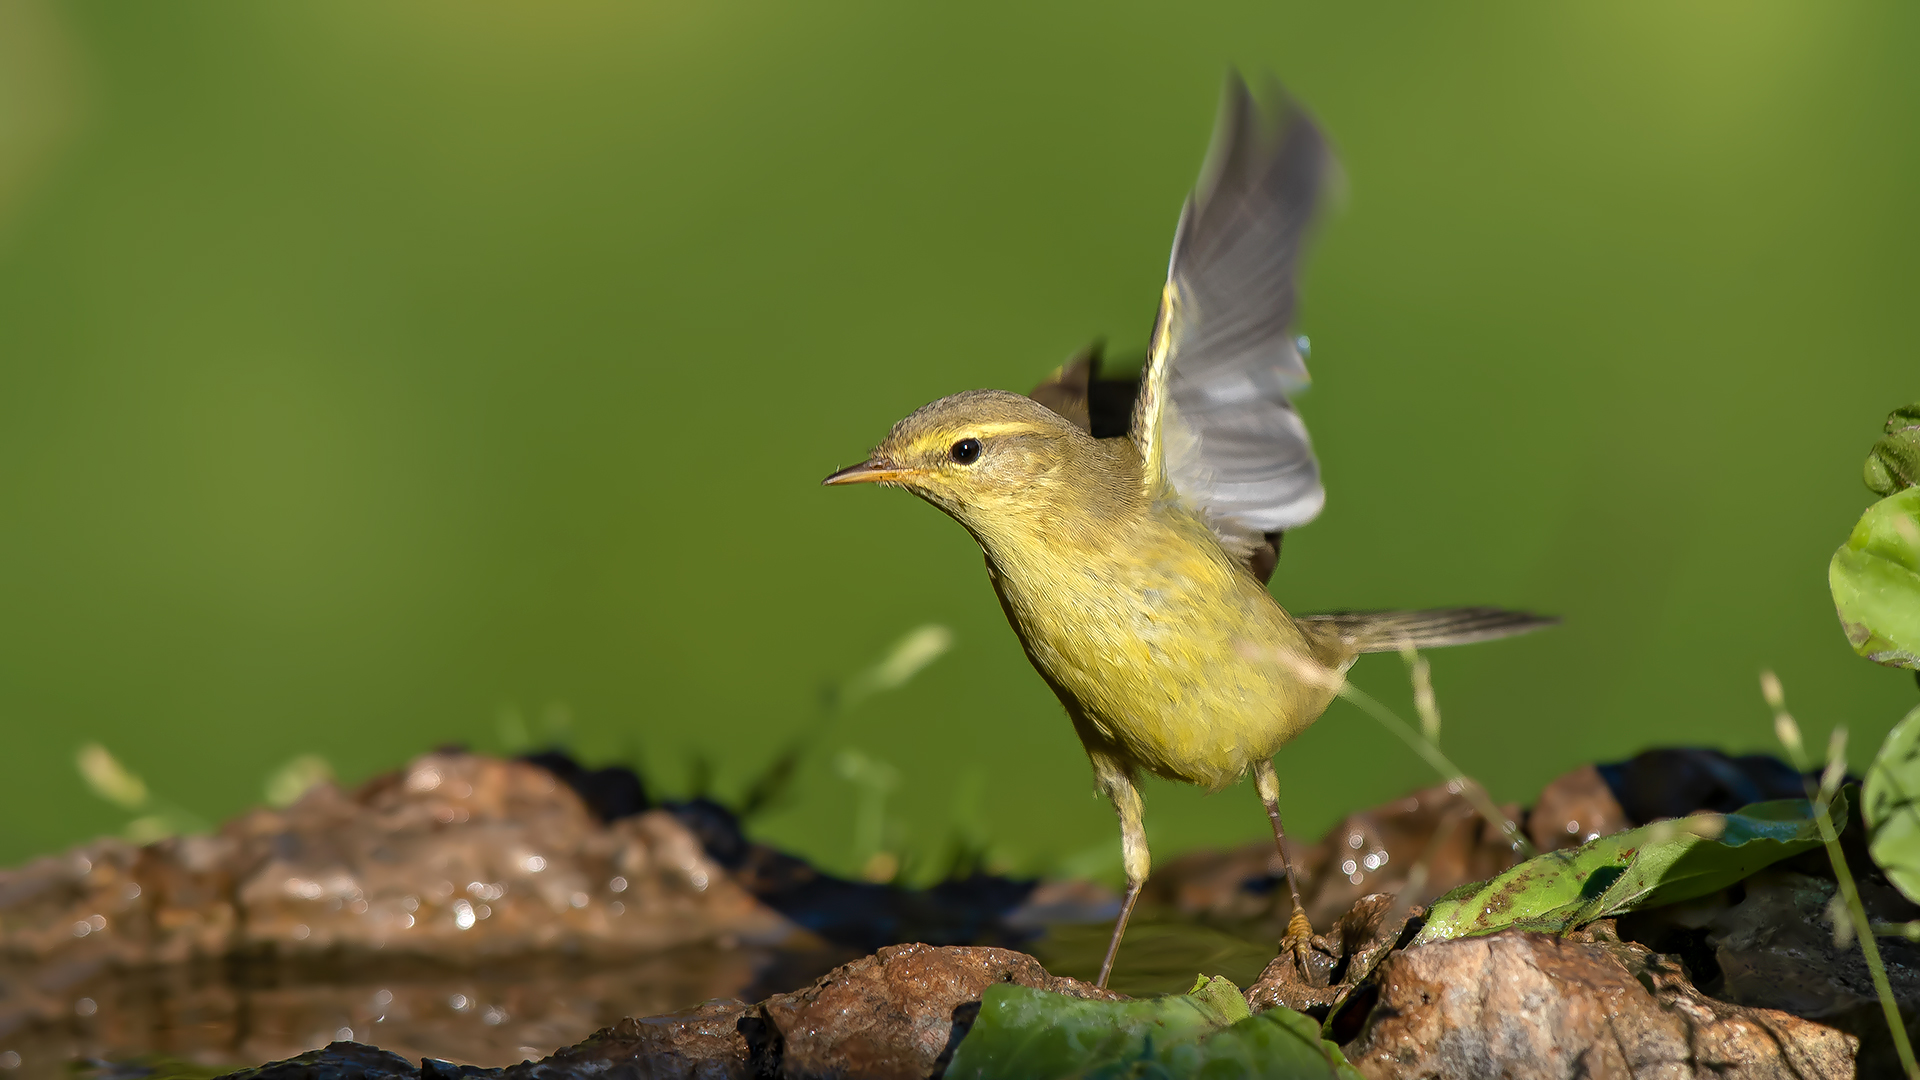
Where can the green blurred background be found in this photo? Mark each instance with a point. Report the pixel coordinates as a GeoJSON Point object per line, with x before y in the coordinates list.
{"type": "Point", "coordinates": [371, 372]}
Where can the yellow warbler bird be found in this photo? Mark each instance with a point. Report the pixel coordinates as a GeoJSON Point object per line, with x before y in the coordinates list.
{"type": "Point", "coordinates": [1133, 567]}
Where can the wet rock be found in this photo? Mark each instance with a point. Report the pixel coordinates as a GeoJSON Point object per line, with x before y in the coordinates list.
{"type": "Point", "coordinates": [1774, 948]}
{"type": "Point", "coordinates": [703, 1043]}
{"type": "Point", "coordinates": [458, 857]}
{"type": "Point", "coordinates": [1576, 807]}
{"type": "Point", "coordinates": [1520, 1004]}
{"type": "Point", "coordinates": [1349, 952]}
{"type": "Point", "coordinates": [1677, 781]}
{"type": "Point", "coordinates": [1433, 840]}
{"type": "Point", "coordinates": [1421, 845]}
{"type": "Point", "coordinates": [860, 915]}
{"type": "Point", "coordinates": [335, 1061]}
{"type": "Point", "coordinates": [897, 1013]}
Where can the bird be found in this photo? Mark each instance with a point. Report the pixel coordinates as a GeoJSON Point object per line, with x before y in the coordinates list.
{"type": "Point", "coordinates": [1131, 526]}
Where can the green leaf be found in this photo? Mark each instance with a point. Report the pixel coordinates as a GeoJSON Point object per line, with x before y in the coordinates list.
{"type": "Point", "coordinates": [1662, 863]}
{"type": "Point", "coordinates": [1207, 1033]}
{"type": "Point", "coordinates": [1875, 578]}
{"type": "Point", "coordinates": [1890, 803]}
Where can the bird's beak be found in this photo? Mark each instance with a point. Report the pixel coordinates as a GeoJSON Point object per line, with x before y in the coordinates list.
{"type": "Point", "coordinates": [871, 471]}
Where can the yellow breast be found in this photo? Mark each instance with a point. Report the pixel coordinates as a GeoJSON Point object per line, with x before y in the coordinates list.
{"type": "Point", "coordinates": [1165, 647]}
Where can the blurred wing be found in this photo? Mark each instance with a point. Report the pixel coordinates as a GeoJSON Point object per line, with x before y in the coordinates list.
{"type": "Point", "coordinates": [1212, 421]}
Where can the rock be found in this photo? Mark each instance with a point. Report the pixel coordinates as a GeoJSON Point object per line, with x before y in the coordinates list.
{"type": "Point", "coordinates": [703, 1043]}
{"type": "Point", "coordinates": [458, 857]}
{"type": "Point", "coordinates": [1576, 807]}
{"type": "Point", "coordinates": [335, 1061]}
{"type": "Point", "coordinates": [861, 915]}
{"type": "Point", "coordinates": [1351, 950]}
{"type": "Point", "coordinates": [1677, 781]}
{"type": "Point", "coordinates": [898, 1013]}
{"type": "Point", "coordinates": [1774, 949]}
{"type": "Point", "coordinates": [1432, 838]}
{"type": "Point", "coordinates": [1521, 1004]}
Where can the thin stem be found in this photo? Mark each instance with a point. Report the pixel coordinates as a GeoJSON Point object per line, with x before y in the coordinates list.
{"type": "Point", "coordinates": [1869, 948]}
{"type": "Point", "coordinates": [1469, 787]}
{"type": "Point", "coordinates": [1822, 798]}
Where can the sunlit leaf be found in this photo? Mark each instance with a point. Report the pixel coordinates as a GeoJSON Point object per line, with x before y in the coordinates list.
{"type": "Point", "coordinates": [1890, 803]}
{"type": "Point", "coordinates": [1656, 864]}
{"type": "Point", "coordinates": [1206, 1033]}
{"type": "Point", "coordinates": [1875, 578]}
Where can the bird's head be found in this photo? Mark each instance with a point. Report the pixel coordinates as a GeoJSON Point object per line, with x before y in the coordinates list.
{"type": "Point", "coordinates": [987, 457]}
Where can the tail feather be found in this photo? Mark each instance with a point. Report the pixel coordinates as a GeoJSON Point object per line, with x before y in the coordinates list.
{"type": "Point", "coordinates": [1390, 631]}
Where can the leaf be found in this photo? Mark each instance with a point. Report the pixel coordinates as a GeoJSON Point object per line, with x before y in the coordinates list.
{"type": "Point", "coordinates": [1661, 863]}
{"type": "Point", "coordinates": [1890, 803]}
{"type": "Point", "coordinates": [1875, 578]}
{"type": "Point", "coordinates": [1206, 1033]}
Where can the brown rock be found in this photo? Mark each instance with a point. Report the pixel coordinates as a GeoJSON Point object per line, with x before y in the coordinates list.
{"type": "Point", "coordinates": [1350, 951]}
{"type": "Point", "coordinates": [1432, 838]}
{"type": "Point", "coordinates": [1576, 807]}
{"type": "Point", "coordinates": [458, 857]}
{"type": "Point", "coordinates": [702, 1043]}
{"type": "Point", "coordinates": [897, 1013]}
{"type": "Point", "coordinates": [1518, 1004]}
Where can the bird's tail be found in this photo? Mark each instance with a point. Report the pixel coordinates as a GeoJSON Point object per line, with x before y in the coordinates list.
{"type": "Point", "coordinates": [1390, 631]}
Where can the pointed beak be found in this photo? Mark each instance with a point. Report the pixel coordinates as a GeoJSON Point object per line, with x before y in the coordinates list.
{"type": "Point", "coordinates": [873, 471]}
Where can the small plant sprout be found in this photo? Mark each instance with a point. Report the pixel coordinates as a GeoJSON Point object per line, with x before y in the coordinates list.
{"type": "Point", "coordinates": [1831, 777]}
{"type": "Point", "coordinates": [106, 777]}
{"type": "Point", "coordinates": [111, 780]}
{"type": "Point", "coordinates": [287, 783]}
{"type": "Point", "coordinates": [1421, 673]}
{"type": "Point", "coordinates": [874, 780]}
{"type": "Point", "coordinates": [908, 657]}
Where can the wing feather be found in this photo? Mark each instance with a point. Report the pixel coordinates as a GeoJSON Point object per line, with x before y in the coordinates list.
{"type": "Point", "coordinates": [1213, 420]}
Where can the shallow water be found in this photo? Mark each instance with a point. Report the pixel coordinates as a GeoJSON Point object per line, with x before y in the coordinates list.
{"type": "Point", "coordinates": [1162, 954]}
{"type": "Point", "coordinates": [239, 1014]}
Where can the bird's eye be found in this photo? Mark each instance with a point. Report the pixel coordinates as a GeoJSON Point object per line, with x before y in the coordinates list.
{"type": "Point", "coordinates": [965, 451]}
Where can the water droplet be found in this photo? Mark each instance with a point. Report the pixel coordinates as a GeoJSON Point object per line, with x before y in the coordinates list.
{"type": "Point", "coordinates": [1349, 867]}
{"type": "Point", "coordinates": [463, 914]}
{"type": "Point", "coordinates": [300, 932]}
{"type": "Point", "coordinates": [616, 908]}
{"type": "Point", "coordinates": [82, 928]}
{"type": "Point", "coordinates": [1355, 840]}
{"type": "Point", "coordinates": [345, 1034]}
{"type": "Point", "coordinates": [459, 1003]}
{"type": "Point", "coordinates": [1305, 346]}
{"type": "Point", "coordinates": [494, 1016]}
{"type": "Point", "coordinates": [383, 999]}
{"type": "Point", "coordinates": [534, 864]}
{"type": "Point", "coordinates": [85, 1007]}
{"type": "Point", "coordinates": [1573, 827]}
{"type": "Point", "coordinates": [618, 884]}
{"type": "Point", "coordinates": [9, 1060]}
{"type": "Point", "coordinates": [578, 899]}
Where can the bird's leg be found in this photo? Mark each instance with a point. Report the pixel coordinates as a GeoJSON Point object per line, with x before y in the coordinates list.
{"type": "Point", "coordinates": [1117, 781]}
{"type": "Point", "coordinates": [1299, 937]}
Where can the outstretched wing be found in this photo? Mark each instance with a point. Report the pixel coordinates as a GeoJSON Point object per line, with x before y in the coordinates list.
{"type": "Point", "coordinates": [1213, 421]}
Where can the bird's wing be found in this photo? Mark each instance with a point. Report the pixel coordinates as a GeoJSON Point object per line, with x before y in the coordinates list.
{"type": "Point", "coordinates": [1213, 421]}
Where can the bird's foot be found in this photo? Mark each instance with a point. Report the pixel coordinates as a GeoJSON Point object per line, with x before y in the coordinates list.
{"type": "Point", "coordinates": [1312, 955]}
